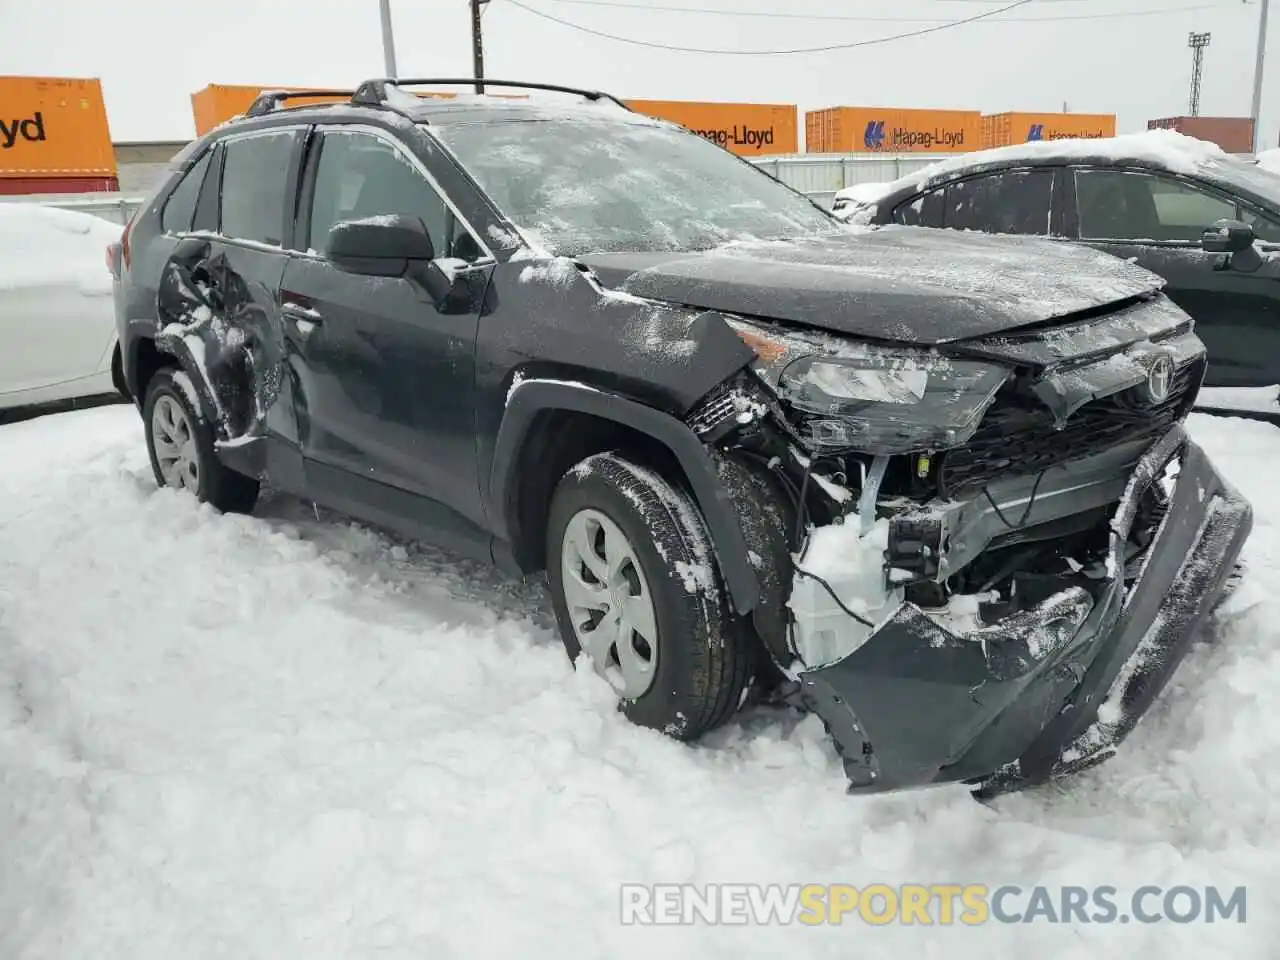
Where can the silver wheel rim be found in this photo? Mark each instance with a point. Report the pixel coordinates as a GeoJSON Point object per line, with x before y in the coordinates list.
{"type": "Point", "coordinates": [609, 602]}
{"type": "Point", "coordinates": [175, 445]}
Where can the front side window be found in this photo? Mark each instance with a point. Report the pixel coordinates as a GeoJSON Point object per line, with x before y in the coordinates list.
{"type": "Point", "coordinates": [360, 176]}
{"type": "Point", "coordinates": [1012, 201]}
{"type": "Point", "coordinates": [1125, 205]}
{"type": "Point", "coordinates": [180, 208]}
{"type": "Point", "coordinates": [585, 185]}
{"type": "Point", "coordinates": [926, 210]}
{"type": "Point", "coordinates": [255, 172]}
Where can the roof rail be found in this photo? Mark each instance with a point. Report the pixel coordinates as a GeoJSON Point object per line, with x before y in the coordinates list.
{"type": "Point", "coordinates": [269, 100]}
{"type": "Point", "coordinates": [374, 92]}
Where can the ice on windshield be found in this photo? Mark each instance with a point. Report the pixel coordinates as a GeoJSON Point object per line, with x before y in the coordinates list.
{"type": "Point", "coordinates": [587, 186]}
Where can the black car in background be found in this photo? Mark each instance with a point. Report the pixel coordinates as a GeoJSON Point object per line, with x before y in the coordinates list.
{"type": "Point", "coordinates": [1202, 219]}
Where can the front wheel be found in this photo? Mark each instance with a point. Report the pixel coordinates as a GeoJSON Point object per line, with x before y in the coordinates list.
{"type": "Point", "coordinates": [180, 442]}
{"type": "Point", "coordinates": [635, 587]}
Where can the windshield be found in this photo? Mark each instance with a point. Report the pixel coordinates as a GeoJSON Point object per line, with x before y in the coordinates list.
{"type": "Point", "coordinates": [591, 186]}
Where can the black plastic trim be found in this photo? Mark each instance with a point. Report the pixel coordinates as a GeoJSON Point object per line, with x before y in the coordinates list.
{"type": "Point", "coordinates": [533, 397]}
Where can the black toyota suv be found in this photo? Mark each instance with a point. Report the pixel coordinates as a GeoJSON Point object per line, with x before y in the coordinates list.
{"type": "Point", "coordinates": [936, 489]}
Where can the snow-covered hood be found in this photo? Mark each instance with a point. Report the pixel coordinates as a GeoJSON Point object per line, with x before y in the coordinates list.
{"type": "Point", "coordinates": [902, 284]}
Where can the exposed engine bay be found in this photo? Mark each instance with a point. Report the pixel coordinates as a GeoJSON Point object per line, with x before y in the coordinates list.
{"type": "Point", "coordinates": [976, 484]}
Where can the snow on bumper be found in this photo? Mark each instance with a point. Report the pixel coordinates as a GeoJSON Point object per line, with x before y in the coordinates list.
{"type": "Point", "coordinates": [917, 705]}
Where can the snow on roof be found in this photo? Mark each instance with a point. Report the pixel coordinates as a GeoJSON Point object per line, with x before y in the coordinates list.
{"type": "Point", "coordinates": [46, 246]}
{"type": "Point", "coordinates": [1169, 149]}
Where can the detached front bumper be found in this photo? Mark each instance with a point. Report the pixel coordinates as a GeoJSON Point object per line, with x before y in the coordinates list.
{"type": "Point", "coordinates": [1050, 690]}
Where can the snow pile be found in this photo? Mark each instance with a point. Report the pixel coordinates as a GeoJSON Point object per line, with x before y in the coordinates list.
{"type": "Point", "coordinates": [44, 246]}
{"type": "Point", "coordinates": [289, 737]}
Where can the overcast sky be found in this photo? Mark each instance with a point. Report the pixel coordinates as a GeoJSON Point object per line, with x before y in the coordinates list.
{"type": "Point", "coordinates": [152, 54]}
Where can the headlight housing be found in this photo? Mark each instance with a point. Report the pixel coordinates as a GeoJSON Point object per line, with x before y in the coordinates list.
{"type": "Point", "coordinates": [884, 400]}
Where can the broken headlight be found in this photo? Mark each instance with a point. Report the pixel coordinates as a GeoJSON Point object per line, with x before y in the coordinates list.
{"type": "Point", "coordinates": [887, 400]}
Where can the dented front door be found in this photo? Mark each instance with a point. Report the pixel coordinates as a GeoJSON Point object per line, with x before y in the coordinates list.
{"type": "Point", "coordinates": [384, 379]}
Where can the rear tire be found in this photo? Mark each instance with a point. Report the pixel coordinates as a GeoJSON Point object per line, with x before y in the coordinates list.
{"type": "Point", "coordinates": [634, 582]}
{"type": "Point", "coordinates": [180, 443]}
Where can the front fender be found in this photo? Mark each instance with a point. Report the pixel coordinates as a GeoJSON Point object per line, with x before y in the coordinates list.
{"type": "Point", "coordinates": [530, 397]}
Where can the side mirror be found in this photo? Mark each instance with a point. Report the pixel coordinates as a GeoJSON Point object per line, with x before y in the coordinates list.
{"type": "Point", "coordinates": [1227, 236]}
{"type": "Point", "coordinates": [383, 246]}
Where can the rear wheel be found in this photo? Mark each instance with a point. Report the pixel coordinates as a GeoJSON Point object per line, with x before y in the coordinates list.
{"type": "Point", "coordinates": [635, 588]}
{"type": "Point", "coordinates": [181, 446]}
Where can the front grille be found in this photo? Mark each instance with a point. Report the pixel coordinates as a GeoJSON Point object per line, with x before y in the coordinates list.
{"type": "Point", "coordinates": [1018, 437]}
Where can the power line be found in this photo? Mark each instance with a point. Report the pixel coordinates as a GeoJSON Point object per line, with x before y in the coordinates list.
{"type": "Point", "coordinates": [772, 15]}
{"type": "Point", "coordinates": [770, 53]}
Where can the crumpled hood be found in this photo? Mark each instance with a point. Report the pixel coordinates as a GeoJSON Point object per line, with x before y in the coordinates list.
{"type": "Point", "coordinates": [903, 284]}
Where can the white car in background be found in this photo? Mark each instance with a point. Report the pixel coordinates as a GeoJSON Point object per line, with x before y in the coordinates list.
{"type": "Point", "coordinates": [851, 198]}
{"type": "Point", "coordinates": [57, 324]}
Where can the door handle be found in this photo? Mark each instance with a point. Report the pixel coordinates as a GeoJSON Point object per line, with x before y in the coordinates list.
{"type": "Point", "coordinates": [305, 318]}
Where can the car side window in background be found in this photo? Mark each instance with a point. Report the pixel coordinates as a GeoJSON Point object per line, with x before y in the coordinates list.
{"type": "Point", "coordinates": [1124, 205]}
{"type": "Point", "coordinates": [922, 211]}
{"type": "Point", "coordinates": [180, 208]}
{"type": "Point", "coordinates": [1264, 228]}
{"type": "Point", "coordinates": [364, 176]}
{"type": "Point", "coordinates": [1013, 201]}
{"type": "Point", "coordinates": [255, 171]}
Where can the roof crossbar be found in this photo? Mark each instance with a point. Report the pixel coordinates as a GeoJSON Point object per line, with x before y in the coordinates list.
{"type": "Point", "coordinates": [374, 92]}
{"type": "Point", "coordinates": [270, 100]}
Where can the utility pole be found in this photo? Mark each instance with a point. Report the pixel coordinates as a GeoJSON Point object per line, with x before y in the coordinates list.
{"type": "Point", "coordinates": [388, 40]}
{"type": "Point", "coordinates": [1257, 79]}
{"type": "Point", "coordinates": [1197, 42]}
{"type": "Point", "coordinates": [477, 44]}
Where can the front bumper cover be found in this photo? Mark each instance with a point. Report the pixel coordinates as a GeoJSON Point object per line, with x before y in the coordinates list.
{"type": "Point", "coordinates": [1020, 703]}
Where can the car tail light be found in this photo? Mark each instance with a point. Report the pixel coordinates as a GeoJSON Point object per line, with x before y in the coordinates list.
{"type": "Point", "coordinates": [118, 252]}
{"type": "Point", "coordinates": [124, 241]}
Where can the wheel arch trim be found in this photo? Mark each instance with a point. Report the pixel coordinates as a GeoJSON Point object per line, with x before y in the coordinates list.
{"type": "Point", "coordinates": [530, 397]}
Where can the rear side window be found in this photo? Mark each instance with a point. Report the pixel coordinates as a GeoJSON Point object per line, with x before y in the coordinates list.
{"type": "Point", "coordinates": [361, 176]}
{"type": "Point", "coordinates": [1013, 201]}
{"type": "Point", "coordinates": [255, 171]}
{"type": "Point", "coordinates": [180, 208]}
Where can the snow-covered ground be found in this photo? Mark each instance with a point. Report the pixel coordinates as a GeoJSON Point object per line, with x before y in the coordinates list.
{"type": "Point", "coordinates": [288, 736]}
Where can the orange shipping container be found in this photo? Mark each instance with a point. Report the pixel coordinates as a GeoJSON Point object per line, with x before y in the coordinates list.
{"type": "Point", "coordinates": [891, 130]}
{"type": "Point", "coordinates": [1232, 134]}
{"type": "Point", "coordinates": [747, 129]}
{"type": "Point", "coordinates": [55, 128]}
{"type": "Point", "coordinates": [1006, 129]}
{"type": "Point", "coordinates": [218, 103]}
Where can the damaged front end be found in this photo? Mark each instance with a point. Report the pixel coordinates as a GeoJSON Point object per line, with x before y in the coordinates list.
{"type": "Point", "coordinates": [979, 564]}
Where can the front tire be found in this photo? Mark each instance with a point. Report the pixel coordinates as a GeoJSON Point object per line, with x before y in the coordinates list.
{"type": "Point", "coordinates": [635, 586]}
{"type": "Point", "coordinates": [180, 443]}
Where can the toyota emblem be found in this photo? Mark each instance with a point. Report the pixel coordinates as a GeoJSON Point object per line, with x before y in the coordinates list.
{"type": "Point", "coordinates": [1159, 377]}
